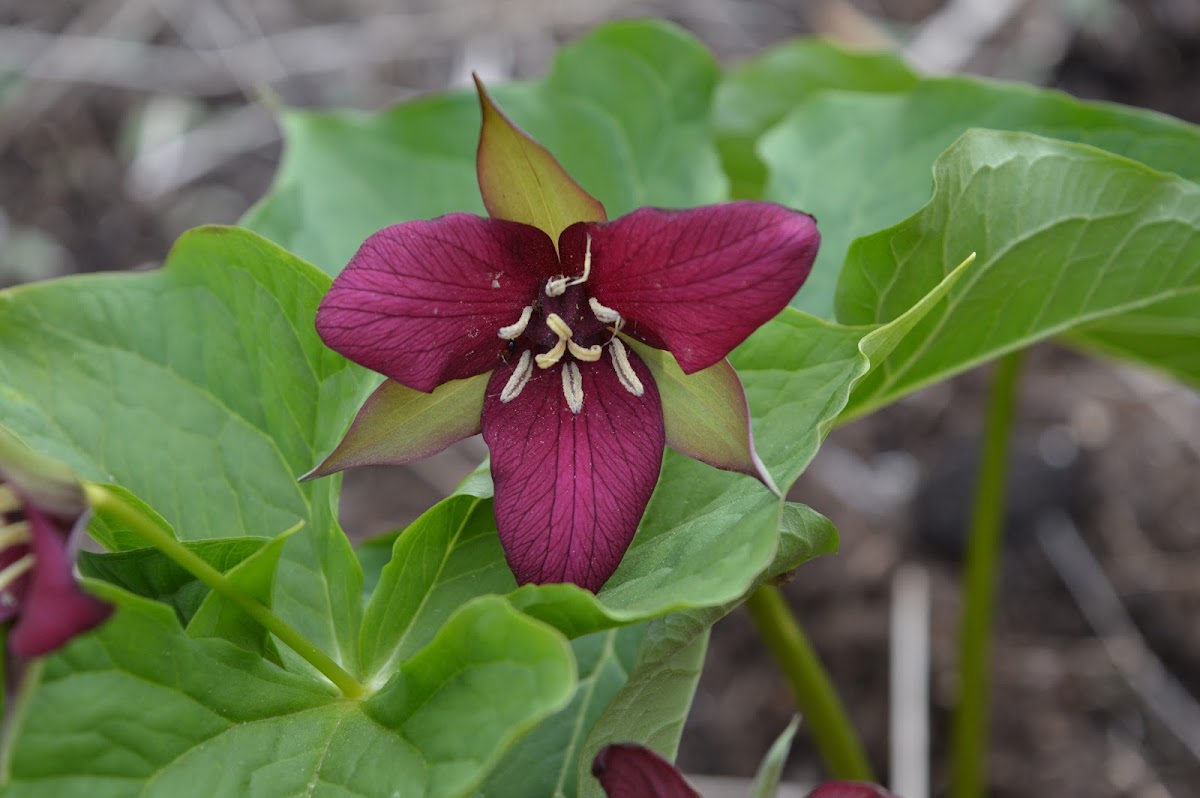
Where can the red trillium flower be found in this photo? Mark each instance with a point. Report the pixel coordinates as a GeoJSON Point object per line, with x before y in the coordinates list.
{"type": "Point", "coordinates": [553, 302]}
{"type": "Point", "coordinates": [42, 512]}
{"type": "Point", "coordinates": [626, 770]}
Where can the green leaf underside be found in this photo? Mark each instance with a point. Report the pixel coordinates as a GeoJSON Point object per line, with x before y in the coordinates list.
{"type": "Point", "coordinates": [625, 111]}
{"type": "Point", "coordinates": [766, 781]}
{"type": "Point", "coordinates": [214, 720]}
{"type": "Point", "coordinates": [207, 393]}
{"type": "Point", "coordinates": [219, 616]}
{"type": "Point", "coordinates": [520, 180]}
{"type": "Point", "coordinates": [1111, 236]}
{"type": "Point", "coordinates": [861, 162]}
{"type": "Point", "coordinates": [398, 425]}
{"type": "Point", "coordinates": [151, 574]}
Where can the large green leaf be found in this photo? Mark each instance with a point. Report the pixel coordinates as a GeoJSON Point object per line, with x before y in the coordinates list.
{"type": "Point", "coordinates": [544, 763]}
{"type": "Point", "coordinates": [1066, 234]}
{"type": "Point", "coordinates": [140, 709]}
{"type": "Point", "coordinates": [204, 389]}
{"type": "Point", "coordinates": [752, 97]}
{"type": "Point", "coordinates": [625, 110]}
{"type": "Point", "coordinates": [861, 162]}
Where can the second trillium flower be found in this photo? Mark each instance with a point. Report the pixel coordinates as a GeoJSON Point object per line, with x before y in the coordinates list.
{"type": "Point", "coordinates": [552, 302]}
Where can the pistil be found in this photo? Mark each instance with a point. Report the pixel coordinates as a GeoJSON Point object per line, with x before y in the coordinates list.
{"type": "Point", "coordinates": [514, 330]}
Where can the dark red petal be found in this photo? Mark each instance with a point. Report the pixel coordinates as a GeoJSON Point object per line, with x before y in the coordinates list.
{"type": "Point", "coordinates": [698, 281]}
{"type": "Point", "coordinates": [571, 488]}
{"type": "Point", "coordinates": [633, 771]}
{"type": "Point", "coordinates": [421, 302]}
{"type": "Point", "coordinates": [54, 608]}
{"type": "Point", "coordinates": [849, 789]}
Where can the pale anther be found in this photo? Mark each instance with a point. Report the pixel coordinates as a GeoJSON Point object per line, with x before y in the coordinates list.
{"type": "Point", "coordinates": [15, 534]}
{"type": "Point", "coordinates": [9, 500]}
{"type": "Point", "coordinates": [572, 382]}
{"type": "Point", "coordinates": [625, 373]}
{"type": "Point", "coordinates": [604, 314]}
{"type": "Point", "coordinates": [15, 571]}
{"type": "Point", "coordinates": [557, 285]}
{"type": "Point", "coordinates": [548, 359]}
{"type": "Point", "coordinates": [520, 377]}
{"type": "Point", "coordinates": [591, 353]}
{"type": "Point", "coordinates": [558, 326]}
{"type": "Point", "coordinates": [514, 330]}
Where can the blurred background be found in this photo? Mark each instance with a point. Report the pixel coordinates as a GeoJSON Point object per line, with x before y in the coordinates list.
{"type": "Point", "coordinates": [125, 122]}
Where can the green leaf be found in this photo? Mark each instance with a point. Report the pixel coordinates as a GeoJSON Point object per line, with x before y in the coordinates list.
{"type": "Point", "coordinates": [168, 716]}
{"type": "Point", "coordinates": [111, 533]}
{"type": "Point", "coordinates": [625, 110]}
{"type": "Point", "coordinates": [766, 781]}
{"type": "Point", "coordinates": [519, 179]}
{"type": "Point", "coordinates": [1066, 234]}
{"type": "Point", "coordinates": [398, 425]}
{"type": "Point", "coordinates": [218, 616]}
{"type": "Point", "coordinates": [150, 573]}
{"type": "Point", "coordinates": [653, 704]}
{"type": "Point", "coordinates": [544, 762]}
{"type": "Point", "coordinates": [861, 162]}
{"type": "Point", "coordinates": [754, 96]}
{"type": "Point", "coordinates": [204, 389]}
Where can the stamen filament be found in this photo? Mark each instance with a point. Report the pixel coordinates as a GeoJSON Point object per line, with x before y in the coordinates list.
{"type": "Point", "coordinates": [520, 377]}
{"type": "Point", "coordinates": [515, 329]}
{"type": "Point", "coordinates": [558, 285]}
{"type": "Point", "coordinates": [625, 373]}
{"type": "Point", "coordinates": [15, 571]}
{"type": "Point", "coordinates": [15, 534]}
{"type": "Point", "coordinates": [9, 500]}
{"type": "Point", "coordinates": [605, 314]}
{"type": "Point", "coordinates": [572, 381]}
{"type": "Point", "coordinates": [558, 326]}
{"type": "Point", "coordinates": [548, 359]}
{"type": "Point", "coordinates": [590, 354]}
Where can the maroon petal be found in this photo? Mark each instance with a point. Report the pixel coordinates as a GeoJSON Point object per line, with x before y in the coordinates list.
{"type": "Point", "coordinates": [421, 302]}
{"type": "Point", "coordinates": [633, 771]}
{"type": "Point", "coordinates": [698, 281]}
{"type": "Point", "coordinates": [849, 789]}
{"type": "Point", "coordinates": [572, 487]}
{"type": "Point", "coordinates": [54, 607]}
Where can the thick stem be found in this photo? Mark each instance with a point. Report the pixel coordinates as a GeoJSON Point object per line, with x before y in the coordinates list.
{"type": "Point", "coordinates": [969, 735]}
{"type": "Point", "coordinates": [815, 695]}
{"type": "Point", "coordinates": [149, 531]}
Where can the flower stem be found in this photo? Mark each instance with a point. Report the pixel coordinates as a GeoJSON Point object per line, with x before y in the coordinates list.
{"type": "Point", "coordinates": [816, 697]}
{"type": "Point", "coordinates": [969, 732]}
{"type": "Point", "coordinates": [103, 499]}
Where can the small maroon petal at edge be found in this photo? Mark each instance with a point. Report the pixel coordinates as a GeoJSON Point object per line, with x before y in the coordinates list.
{"type": "Point", "coordinates": [696, 282]}
{"type": "Point", "coordinates": [572, 487]}
{"type": "Point", "coordinates": [850, 789]}
{"type": "Point", "coordinates": [633, 771]}
{"type": "Point", "coordinates": [54, 607]}
{"type": "Point", "coordinates": [421, 302]}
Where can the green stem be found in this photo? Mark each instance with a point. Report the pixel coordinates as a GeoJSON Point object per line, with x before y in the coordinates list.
{"type": "Point", "coordinates": [152, 533]}
{"type": "Point", "coordinates": [969, 732]}
{"type": "Point", "coordinates": [15, 719]}
{"type": "Point", "coordinates": [816, 697]}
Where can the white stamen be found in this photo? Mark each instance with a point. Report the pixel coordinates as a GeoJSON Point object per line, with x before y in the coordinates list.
{"type": "Point", "coordinates": [514, 331]}
{"type": "Point", "coordinates": [604, 314]}
{"type": "Point", "coordinates": [572, 382]}
{"type": "Point", "coordinates": [558, 326]}
{"type": "Point", "coordinates": [16, 570]}
{"type": "Point", "coordinates": [558, 285]}
{"type": "Point", "coordinates": [625, 373]}
{"type": "Point", "coordinates": [9, 500]}
{"type": "Point", "coordinates": [591, 354]}
{"type": "Point", "coordinates": [520, 377]}
{"type": "Point", "coordinates": [548, 359]}
{"type": "Point", "coordinates": [14, 534]}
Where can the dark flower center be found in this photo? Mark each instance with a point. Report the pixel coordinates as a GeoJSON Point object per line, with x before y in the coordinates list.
{"type": "Point", "coordinates": [562, 327]}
